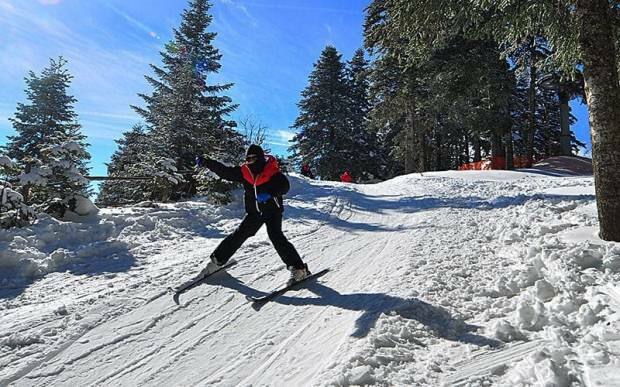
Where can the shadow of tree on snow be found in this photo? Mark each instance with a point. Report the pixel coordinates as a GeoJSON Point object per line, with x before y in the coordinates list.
{"type": "Point", "coordinates": [352, 199]}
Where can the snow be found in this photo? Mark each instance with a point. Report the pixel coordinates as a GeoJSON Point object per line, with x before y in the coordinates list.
{"type": "Point", "coordinates": [79, 209]}
{"type": "Point", "coordinates": [6, 162]}
{"type": "Point", "coordinates": [38, 176]}
{"type": "Point", "coordinates": [13, 210]}
{"type": "Point", "coordinates": [65, 147]}
{"type": "Point", "coordinates": [453, 278]}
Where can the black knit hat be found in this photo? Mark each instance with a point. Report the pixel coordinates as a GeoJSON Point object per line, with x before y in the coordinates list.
{"type": "Point", "coordinates": [255, 150]}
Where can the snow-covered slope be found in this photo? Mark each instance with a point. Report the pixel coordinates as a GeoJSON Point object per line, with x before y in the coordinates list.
{"type": "Point", "coordinates": [437, 279]}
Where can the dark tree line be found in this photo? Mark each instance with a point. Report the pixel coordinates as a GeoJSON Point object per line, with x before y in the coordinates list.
{"type": "Point", "coordinates": [464, 101]}
{"type": "Point", "coordinates": [452, 82]}
{"type": "Point", "coordinates": [551, 43]}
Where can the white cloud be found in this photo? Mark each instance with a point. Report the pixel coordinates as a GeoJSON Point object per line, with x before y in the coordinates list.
{"type": "Point", "coordinates": [133, 21]}
{"type": "Point", "coordinates": [105, 80]}
{"type": "Point", "coordinates": [288, 6]}
{"type": "Point", "coordinates": [243, 10]}
{"type": "Point", "coordinates": [286, 135]}
{"type": "Point", "coordinates": [114, 116]}
{"type": "Point", "coordinates": [98, 130]}
{"type": "Point", "coordinates": [7, 6]}
{"type": "Point", "coordinates": [277, 143]}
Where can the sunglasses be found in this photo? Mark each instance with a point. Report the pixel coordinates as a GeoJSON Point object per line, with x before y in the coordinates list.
{"type": "Point", "coordinates": [251, 159]}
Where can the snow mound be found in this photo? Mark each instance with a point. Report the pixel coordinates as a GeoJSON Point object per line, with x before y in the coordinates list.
{"type": "Point", "coordinates": [17, 340]}
{"type": "Point", "coordinates": [87, 236]}
{"type": "Point", "coordinates": [6, 162]}
{"type": "Point", "coordinates": [566, 165]}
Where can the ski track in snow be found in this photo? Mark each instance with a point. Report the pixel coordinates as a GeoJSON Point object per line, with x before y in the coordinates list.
{"type": "Point", "coordinates": [436, 279]}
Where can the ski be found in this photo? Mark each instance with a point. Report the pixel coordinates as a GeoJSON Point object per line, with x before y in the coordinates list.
{"type": "Point", "coordinates": [284, 289]}
{"type": "Point", "coordinates": [197, 280]}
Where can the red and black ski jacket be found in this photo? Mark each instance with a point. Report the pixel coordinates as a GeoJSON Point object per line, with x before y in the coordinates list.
{"type": "Point", "coordinates": [270, 181]}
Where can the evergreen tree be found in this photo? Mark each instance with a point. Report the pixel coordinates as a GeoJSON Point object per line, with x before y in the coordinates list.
{"type": "Point", "coordinates": [161, 174]}
{"type": "Point", "coordinates": [542, 98]}
{"type": "Point", "coordinates": [471, 89]}
{"type": "Point", "coordinates": [437, 107]}
{"type": "Point", "coordinates": [580, 31]}
{"type": "Point", "coordinates": [393, 116]}
{"type": "Point", "coordinates": [186, 115]}
{"type": "Point", "coordinates": [368, 160]}
{"type": "Point", "coordinates": [324, 139]}
{"type": "Point", "coordinates": [132, 150]}
{"type": "Point", "coordinates": [529, 59]}
{"type": "Point", "coordinates": [394, 92]}
{"type": "Point", "coordinates": [49, 147]}
{"type": "Point", "coordinates": [63, 178]}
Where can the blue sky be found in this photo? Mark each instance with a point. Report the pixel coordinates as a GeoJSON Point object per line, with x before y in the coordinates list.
{"type": "Point", "coordinates": [268, 47]}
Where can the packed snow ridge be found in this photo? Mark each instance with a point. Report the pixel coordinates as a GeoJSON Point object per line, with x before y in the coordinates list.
{"type": "Point", "coordinates": [452, 278]}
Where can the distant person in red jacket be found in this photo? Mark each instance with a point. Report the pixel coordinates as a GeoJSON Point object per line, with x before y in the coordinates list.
{"type": "Point", "coordinates": [305, 171]}
{"type": "Point", "coordinates": [346, 177]}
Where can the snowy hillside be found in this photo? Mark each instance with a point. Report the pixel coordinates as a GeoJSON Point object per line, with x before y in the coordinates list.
{"type": "Point", "coordinates": [437, 279]}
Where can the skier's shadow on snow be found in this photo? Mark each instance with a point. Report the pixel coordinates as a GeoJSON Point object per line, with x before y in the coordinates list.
{"type": "Point", "coordinates": [436, 319]}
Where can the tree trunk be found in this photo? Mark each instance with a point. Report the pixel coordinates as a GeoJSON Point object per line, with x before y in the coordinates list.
{"type": "Point", "coordinates": [426, 159]}
{"type": "Point", "coordinates": [565, 135]}
{"type": "Point", "coordinates": [599, 55]}
{"type": "Point", "coordinates": [529, 140]}
{"type": "Point", "coordinates": [477, 148]}
{"type": "Point", "coordinates": [509, 150]}
{"type": "Point", "coordinates": [497, 146]}
{"type": "Point", "coordinates": [466, 149]}
{"type": "Point", "coordinates": [410, 146]}
{"type": "Point", "coordinates": [423, 152]}
{"type": "Point", "coordinates": [438, 156]}
{"type": "Point", "coordinates": [25, 189]}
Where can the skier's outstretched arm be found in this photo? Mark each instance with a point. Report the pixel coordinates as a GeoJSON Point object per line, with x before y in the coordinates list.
{"type": "Point", "coordinates": [223, 171]}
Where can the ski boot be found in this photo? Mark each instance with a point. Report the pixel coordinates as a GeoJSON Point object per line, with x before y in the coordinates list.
{"type": "Point", "coordinates": [298, 274]}
{"type": "Point", "coordinates": [213, 266]}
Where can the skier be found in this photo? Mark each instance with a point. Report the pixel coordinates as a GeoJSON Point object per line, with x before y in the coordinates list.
{"type": "Point", "coordinates": [346, 177]}
{"type": "Point", "coordinates": [264, 186]}
{"type": "Point", "coordinates": [305, 171]}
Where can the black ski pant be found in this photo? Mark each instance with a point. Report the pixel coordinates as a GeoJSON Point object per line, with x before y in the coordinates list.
{"type": "Point", "coordinates": [249, 227]}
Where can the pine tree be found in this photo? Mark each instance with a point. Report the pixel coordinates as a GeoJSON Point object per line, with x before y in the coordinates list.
{"type": "Point", "coordinates": [368, 160]}
{"type": "Point", "coordinates": [324, 139]}
{"type": "Point", "coordinates": [389, 115]}
{"type": "Point", "coordinates": [581, 31]}
{"type": "Point", "coordinates": [438, 106]}
{"type": "Point", "coordinates": [186, 115]}
{"type": "Point", "coordinates": [394, 91]}
{"type": "Point", "coordinates": [49, 147]}
{"type": "Point", "coordinates": [132, 150]}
